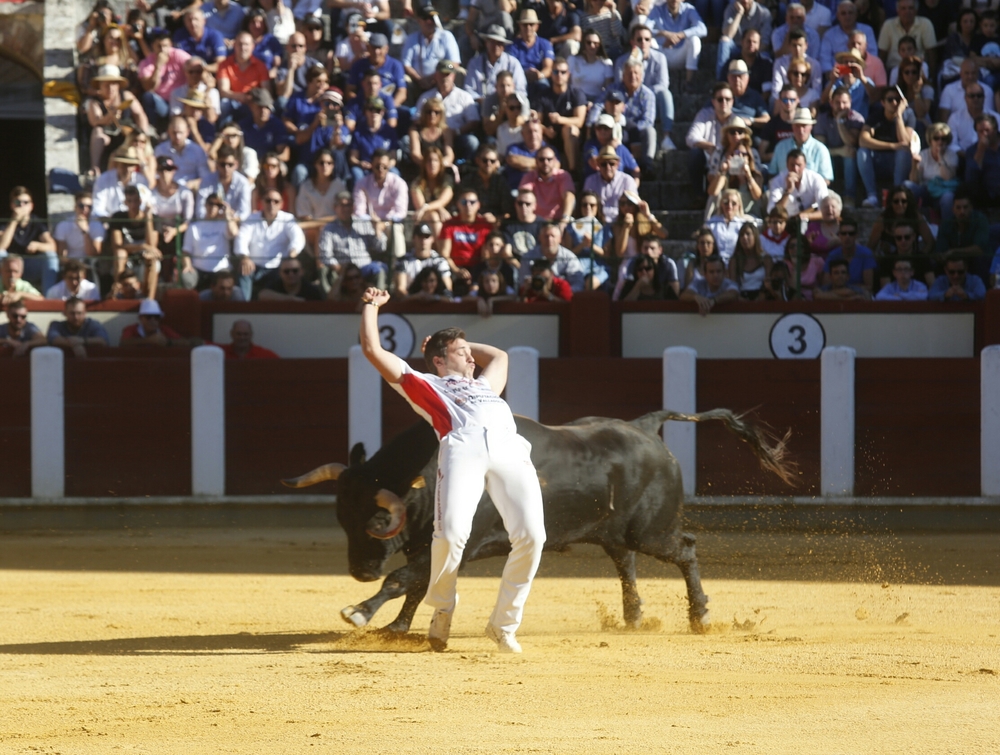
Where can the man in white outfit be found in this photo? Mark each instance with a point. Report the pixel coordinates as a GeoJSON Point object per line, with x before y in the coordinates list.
{"type": "Point", "coordinates": [479, 448]}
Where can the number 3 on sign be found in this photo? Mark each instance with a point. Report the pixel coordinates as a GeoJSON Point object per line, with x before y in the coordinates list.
{"type": "Point", "coordinates": [797, 336]}
{"type": "Point", "coordinates": [396, 335]}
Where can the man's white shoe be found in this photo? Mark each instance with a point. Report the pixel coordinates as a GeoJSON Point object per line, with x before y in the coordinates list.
{"type": "Point", "coordinates": [667, 144]}
{"type": "Point", "coordinates": [439, 630]}
{"type": "Point", "coordinates": [506, 642]}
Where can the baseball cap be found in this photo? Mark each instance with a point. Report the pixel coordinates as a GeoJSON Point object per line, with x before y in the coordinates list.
{"type": "Point", "coordinates": [605, 119]}
{"type": "Point", "coordinates": [446, 66]}
{"type": "Point", "coordinates": [165, 162]}
{"type": "Point", "coordinates": [427, 12]}
{"type": "Point", "coordinates": [423, 230]}
{"type": "Point", "coordinates": [332, 95]}
{"type": "Point", "coordinates": [150, 307]}
{"type": "Point", "coordinates": [374, 103]}
{"type": "Point", "coordinates": [262, 97]}
{"type": "Point", "coordinates": [615, 95]}
{"type": "Point", "coordinates": [378, 40]}
{"type": "Point", "coordinates": [738, 66]}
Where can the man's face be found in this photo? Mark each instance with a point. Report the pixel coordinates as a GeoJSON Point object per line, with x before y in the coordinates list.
{"type": "Point", "coordinates": [722, 101]}
{"type": "Point", "coordinates": [423, 246]}
{"type": "Point", "coordinates": [969, 72]}
{"type": "Point", "coordinates": [222, 290]}
{"type": "Point", "coordinates": [847, 15]}
{"type": "Point", "coordinates": [493, 248]}
{"type": "Point", "coordinates": [840, 104]}
{"type": "Point", "coordinates": [903, 273]}
{"type": "Point", "coordinates": [989, 27]}
{"type": "Point", "coordinates": [797, 166]}
{"type": "Point", "coordinates": [17, 317]}
{"type": "Point", "coordinates": [489, 162]}
{"type": "Point", "coordinates": [549, 240]}
{"type": "Point", "coordinates": [260, 113]}
{"type": "Point", "coordinates": [505, 89]}
{"type": "Point", "coordinates": [373, 116]}
{"type": "Point", "coordinates": [150, 324]}
{"type": "Point", "coordinates": [12, 271]}
{"type": "Point", "coordinates": [674, 5]}
{"type": "Point", "coordinates": [545, 162]}
{"type": "Point", "coordinates": [956, 273]}
{"type": "Point", "coordinates": [848, 236]}
{"type": "Point", "coordinates": [445, 82]}
{"type": "Point", "coordinates": [714, 274]}
{"type": "Point", "coordinates": [985, 130]}
{"type": "Point", "coordinates": [525, 206]}
{"type": "Point", "coordinates": [859, 42]}
{"type": "Point", "coordinates": [291, 273]}
{"type": "Point", "coordinates": [243, 47]}
{"type": "Point", "coordinates": [642, 40]}
{"type": "Point", "coordinates": [494, 49]}
{"type": "Point", "coordinates": [195, 23]}
{"type": "Point", "coordinates": [193, 71]}
{"type": "Point", "coordinates": [23, 203]}
{"type": "Point", "coordinates": [297, 43]}
{"type": "Point", "coordinates": [632, 77]}
{"type": "Point", "coordinates": [427, 26]}
{"type": "Point", "coordinates": [271, 205]}
{"type": "Point", "coordinates": [839, 276]}
{"type": "Point", "coordinates": [751, 44]}
{"type": "Point", "coordinates": [560, 75]}
{"type": "Point", "coordinates": [608, 169]}
{"type": "Point", "coordinates": [378, 55]}
{"type": "Point", "coordinates": [529, 32]}
{"type": "Point", "coordinates": [242, 335]}
{"type": "Point", "coordinates": [904, 237]}
{"type": "Point", "coordinates": [975, 99]}
{"type": "Point", "coordinates": [178, 133]}
{"type": "Point", "coordinates": [799, 47]}
{"type": "Point", "coordinates": [133, 203]}
{"type": "Point", "coordinates": [457, 360]}
{"type": "Point", "coordinates": [739, 82]}
{"type": "Point", "coordinates": [652, 249]}
{"type": "Point", "coordinates": [795, 17]}
{"type": "Point", "coordinates": [962, 209]}
{"type": "Point", "coordinates": [380, 168]}
{"type": "Point", "coordinates": [162, 45]}
{"type": "Point", "coordinates": [76, 314]}
{"type": "Point", "coordinates": [344, 210]}
{"type": "Point", "coordinates": [906, 50]}
{"type": "Point", "coordinates": [907, 11]}
{"type": "Point", "coordinates": [603, 134]}
{"type": "Point", "coordinates": [371, 85]}
{"type": "Point", "coordinates": [468, 207]}
{"type": "Point", "coordinates": [801, 132]}
{"type": "Point", "coordinates": [73, 278]}
{"type": "Point", "coordinates": [532, 131]}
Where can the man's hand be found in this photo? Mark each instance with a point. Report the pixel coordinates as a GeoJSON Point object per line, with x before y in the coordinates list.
{"type": "Point", "coordinates": [169, 233]}
{"type": "Point", "coordinates": [705, 304]}
{"type": "Point", "coordinates": [791, 181]}
{"type": "Point", "coordinates": [247, 267]}
{"type": "Point", "coordinates": [628, 220]}
{"type": "Point", "coordinates": [377, 297]}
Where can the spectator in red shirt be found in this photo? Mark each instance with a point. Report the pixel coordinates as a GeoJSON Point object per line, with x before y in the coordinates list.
{"type": "Point", "coordinates": [461, 239]}
{"type": "Point", "coordinates": [553, 187]}
{"type": "Point", "coordinates": [150, 332]}
{"type": "Point", "coordinates": [544, 285]}
{"type": "Point", "coordinates": [243, 346]}
{"type": "Point", "coordinates": [238, 74]}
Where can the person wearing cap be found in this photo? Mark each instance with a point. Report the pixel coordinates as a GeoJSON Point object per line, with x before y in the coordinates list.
{"type": "Point", "coordinates": [207, 243]}
{"type": "Point", "coordinates": [197, 92]}
{"type": "Point", "coordinates": [109, 188]}
{"type": "Point", "coordinates": [242, 346]}
{"type": "Point", "coordinates": [481, 74]}
{"type": "Point", "coordinates": [374, 134]}
{"type": "Point", "coordinates": [604, 136]}
{"type": "Point", "coordinates": [482, 15]}
{"type": "Point", "coordinates": [159, 74]}
{"type": "Point", "coordinates": [796, 189]}
{"type": "Point", "coordinates": [311, 119]}
{"type": "Point", "coordinates": [655, 76]}
{"type": "Point", "coordinates": [907, 24]}
{"type": "Point", "coordinates": [460, 109]}
{"type": "Point", "coordinates": [391, 70]}
{"type": "Point", "coordinates": [838, 37]}
{"type": "Point", "coordinates": [81, 236]}
{"type": "Point", "coordinates": [748, 103]}
{"type": "Point", "coordinates": [293, 73]}
{"type": "Point", "coordinates": [105, 110]}
{"type": "Point", "coordinates": [228, 184]}
{"type": "Point", "coordinates": [885, 144]}
{"type": "Point", "coordinates": [534, 53]}
{"type": "Point", "coordinates": [553, 187]}
{"type": "Point", "coordinates": [371, 86]}
{"type": "Point", "coordinates": [816, 153]}
{"type": "Point", "coordinates": [795, 20]}
{"type": "Point", "coordinates": [225, 17]}
{"type": "Point", "coordinates": [189, 159]}
{"type": "Point", "coordinates": [150, 331]}
{"type": "Point", "coordinates": [238, 75]}
{"type": "Point", "coordinates": [739, 17]}
{"type": "Point", "coordinates": [264, 239]}
{"type": "Point", "coordinates": [172, 204]}
{"type": "Point", "coordinates": [679, 30]}
{"type": "Point", "coordinates": [263, 132]}
{"type": "Point", "coordinates": [77, 331]}
{"type": "Point", "coordinates": [849, 74]}
{"type": "Point", "coordinates": [797, 45]}
{"type": "Point", "coordinates": [640, 113]}
{"type": "Point", "coordinates": [609, 183]}
{"type": "Point", "coordinates": [29, 237]}
{"type": "Point", "coordinates": [611, 104]}
{"type": "Point", "coordinates": [564, 264]}
{"type": "Point", "coordinates": [197, 39]}
{"type": "Point", "coordinates": [425, 48]}
{"type": "Point", "coordinates": [422, 256]}
{"type": "Point", "coordinates": [349, 240]}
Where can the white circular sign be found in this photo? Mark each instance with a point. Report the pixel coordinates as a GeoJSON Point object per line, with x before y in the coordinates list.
{"type": "Point", "coordinates": [396, 335]}
{"type": "Point", "coordinates": [797, 336]}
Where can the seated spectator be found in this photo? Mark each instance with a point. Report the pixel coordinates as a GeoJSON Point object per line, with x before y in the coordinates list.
{"type": "Point", "coordinates": [160, 73]}
{"type": "Point", "coordinates": [982, 163]}
{"type": "Point", "coordinates": [481, 73]}
{"type": "Point", "coordinates": [381, 196]}
{"type": "Point", "coordinates": [934, 172]}
{"type": "Point", "coordinates": [775, 237]}
{"type": "Point", "coordinates": [694, 262]}
{"type": "Point", "coordinates": [371, 88]}
{"type": "Point", "coordinates": [604, 136]}
{"type": "Point", "coordinates": [612, 104]}
{"type": "Point", "coordinates": [736, 165]}
{"type": "Point", "coordinates": [263, 132]}
{"type": "Point", "coordinates": [797, 45]}
{"type": "Point", "coordinates": [759, 64]}
{"type": "Point", "coordinates": [564, 264]}
{"type": "Point", "coordinates": [748, 104]}
{"type": "Point", "coordinates": [29, 237]}
{"type": "Point", "coordinates": [198, 93]}
{"type": "Point", "coordinates": [885, 144]}
{"type": "Point", "coordinates": [712, 289]}
{"type": "Point", "coordinates": [422, 256]}
{"type": "Point", "coordinates": [585, 237]}
{"type": "Point", "coordinates": [534, 53]}
{"type": "Point", "coordinates": [609, 184]}
{"type": "Point", "coordinates": [797, 189]}
{"type": "Point", "coordinates": [427, 47]}
{"type": "Point", "coordinates": [462, 237]}
{"type": "Point", "coordinates": [953, 95]}
{"type": "Point", "coordinates": [495, 260]}
{"type": "Point", "coordinates": [838, 37]}
{"type": "Point", "coordinates": [223, 288]}
{"type": "Point", "coordinates": [906, 24]}
{"type": "Point", "coordinates": [431, 130]}
{"type": "Point", "coordinates": [207, 244]}
{"type": "Point", "coordinates": [271, 178]}
{"type": "Point", "coordinates": [860, 259]}
{"type": "Point", "coordinates": [428, 286]}
{"type": "Point", "coordinates": [197, 39]}
{"type": "Point", "coordinates": [561, 26]}
{"type": "Point", "coordinates": [228, 183]}
{"type": "Point", "coordinates": [840, 287]}
{"type": "Point", "coordinates": [958, 45]}
{"type": "Point", "coordinates": [242, 346]}
{"type": "Point", "coordinates": [552, 186]}
{"type": "Point", "coordinates": [460, 109]}
{"type": "Point", "coordinates": [349, 286]}
{"type": "Point", "coordinates": [77, 331]}
{"type": "Point", "coordinates": [432, 192]}
{"type": "Point", "coordinates": [295, 66]}
{"type": "Point", "coordinates": [238, 75]}
{"type": "Point", "coordinates": [849, 75]}
{"type": "Point", "coordinates": [15, 288]}
{"type": "Point", "coordinates": [914, 84]}
{"type": "Point", "coordinates": [795, 23]}
{"type": "Point", "coordinates": [74, 285]}
{"type": "Point", "coordinates": [126, 287]}
{"type": "Point", "coordinates": [173, 205]}
{"type": "Point", "coordinates": [903, 288]}
{"type": "Point", "coordinates": [264, 240]}
{"type": "Point", "coordinates": [110, 105]}
{"type": "Point", "coordinates": [490, 288]}
{"type": "Point", "coordinates": [725, 226]}
{"type": "Point", "coordinates": [544, 285]}
{"type": "Point", "coordinates": [267, 47]}
{"type": "Point", "coordinates": [604, 18]}
{"type": "Point", "coordinates": [805, 269]}
{"type": "Point", "coordinates": [349, 240]}
{"type": "Point", "coordinates": [563, 110]}
{"type": "Point", "coordinates": [902, 205]}
{"type": "Point", "coordinates": [962, 121]}
{"type": "Point", "coordinates": [190, 159]}
{"type": "Point", "coordinates": [311, 119]}
{"type": "Point", "coordinates": [679, 30]}
{"type": "Point", "coordinates": [135, 240]}
{"type": "Point", "coordinates": [778, 286]}
{"type": "Point", "coordinates": [816, 154]}
{"type": "Point", "coordinates": [874, 68]}
{"type": "Point", "coordinates": [522, 230]}
{"type": "Point", "coordinates": [821, 233]}
{"type": "Point", "coordinates": [957, 284]}
{"type": "Point", "coordinates": [371, 136]}
{"type": "Point", "coordinates": [391, 70]}
{"type": "Point", "coordinates": [650, 276]}
{"type": "Point", "coordinates": [590, 70]}
{"type": "Point", "coordinates": [496, 201]}
{"type": "Point", "coordinates": [966, 232]}
{"type": "Point", "coordinates": [520, 158]}
{"type": "Point", "coordinates": [150, 331]}
{"type": "Point", "coordinates": [904, 239]}
{"type": "Point", "coordinates": [317, 195]}
{"type": "Point", "coordinates": [634, 222]}
{"type": "Point", "coordinates": [739, 18]}
{"type": "Point", "coordinates": [749, 267]}
{"type": "Point", "coordinates": [246, 159]}
{"type": "Point", "coordinates": [504, 110]}
{"type": "Point", "coordinates": [17, 335]}
{"type": "Point", "coordinates": [640, 113]}
{"type": "Point", "coordinates": [289, 286]}
{"type": "Point", "coordinates": [655, 76]}
{"type": "Point", "coordinates": [779, 127]}
{"type": "Point", "coordinates": [705, 135]}
{"type": "Point", "coordinates": [839, 128]}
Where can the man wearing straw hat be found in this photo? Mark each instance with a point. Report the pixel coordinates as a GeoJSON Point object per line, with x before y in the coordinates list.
{"type": "Point", "coordinates": [195, 113]}
{"type": "Point", "coordinates": [109, 188]}
{"type": "Point", "coordinates": [609, 183]}
{"type": "Point", "coordinates": [481, 76]}
{"type": "Point", "coordinates": [194, 71]}
{"type": "Point", "coordinates": [816, 154]}
{"type": "Point", "coordinates": [533, 53]}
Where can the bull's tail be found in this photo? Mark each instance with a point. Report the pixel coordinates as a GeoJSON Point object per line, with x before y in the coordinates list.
{"type": "Point", "coordinates": [767, 447]}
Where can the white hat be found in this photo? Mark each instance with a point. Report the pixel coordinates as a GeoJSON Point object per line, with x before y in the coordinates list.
{"type": "Point", "coordinates": [150, 307]}
{"type": "Point", "coordinates": [605, 119]}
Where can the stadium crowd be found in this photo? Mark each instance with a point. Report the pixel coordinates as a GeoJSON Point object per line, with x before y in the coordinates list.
{"type": "Point", "coordinates": [274, 152]}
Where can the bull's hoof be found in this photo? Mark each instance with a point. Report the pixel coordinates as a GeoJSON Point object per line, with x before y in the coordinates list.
{"type": "Point", "coordinates": [437, 645]}
{"type": "Point", "coordinates": [634, 620]}
{"type": "Point", "coordinates": [701, 623]}
{"type": "Point", "coordinates": [353, 616]}
{"type": "Point", "coordinates": [396, 628]}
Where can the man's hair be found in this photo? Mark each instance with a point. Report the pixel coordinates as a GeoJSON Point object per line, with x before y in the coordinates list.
{"type": "Point", "coordinates": [437, 346]}
{"type": "Point", "coordinates": [650, 238]}
{"type": "Point", "coordinates": [985, 117]}
{"type": "Point", "coordinates": [839, 91]}
{"type": "Point", "coordinates": [225, 151]}
{"type": "Point", "coordinates": [639, 27]}
{"type": "Point", "coordinates": [552, 224]}
{"type": "Point", "coordinates": [795, 154]}
{"type": "Point", "coordinates": [131, 191]}
{"type": "Point", "coordinates": [849, 221]}
{"type": "Point", "coordinates": [12, 258]}
{"type": "Point", "coordinates": [778, 212]}
{"type": "Point", "coordinates": [223, 275]}
{"type": "Point", "coordinates": [719, 86]}
{"type": "Point", "coordinates": [127, 274]}
{"type": "Point", "coordinates": [954, 256]}
{"type": "Point", "coordinates": [786, 88]}
{"type": "Point", "coordinates": [313, 73]}
{"type": "Point", "coordinates": [74, 266]}
{"type": "Point", "coordinates": [963, 192]}
{"type": "Point", "coordinates": [82, 195]}
{"type": "Point", "coordinates": [380, 152]}
{"type": "Point", "coordinates": [631, 62]}
{"type": "Point", "coordinates": [521, 192]}
{"type": "Point", "coordinates": [370, 73]}
{"type": "Point", "coordinates": [465, 191]}
{"type": "Point", "coordinates": [560, 59]}
{"type": "Point", "coordinates": [538, 266]}
{"type": "Point", "coordinates": [840, 262]}
{"type": "Point", "coordinates": [988, 15]}
{"type": "Point", "coordinates": [504, 75]}
{"type": "Point", "coordinates": [796, 34]}
{"type": "Point", "coordinates": [18, 191]}
{"type": "Point", "coordinates": [73, 301]}
{"type": "Point", "coordinates": [19, 304]}
{"type": "Point", "coordinates": [713, 259]}
{"type": "Point", "coordinates": [905, 223]}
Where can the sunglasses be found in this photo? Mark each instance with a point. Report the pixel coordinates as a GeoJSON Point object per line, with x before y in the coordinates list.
{"type": "Point", "coordinates": [954, 272]}
{"type": "Point", "coordinates": [589, 204]}
{"type": "Point", "coordinates": [561, 71]}
{"type": "Point", "coordinates": [291, 271]}
{"type": "Point", "coordinates": [84, 206]}
{"type": "Point", "coordinates": [900, 200]}
{"type": "Point", "coordinates": [723, 100]}
{"type": "Point", "coordinates": [938, 138]}
{"type": "Point", "coordinates": [227, 165]}
{"type": "Point", "coordinates": [490, 160]}
{"type": "Point", "coordinates": [975, 95]}
{"type": "Point", "coordinates": [906, 237]}
{"type": "Point", "coordinates": [892, 101]}
{"type": "Point", "coordinates": [467, 202]}
{"type": "Point", "coordinates": [797, 73]}
{"type": "Point", "coordinates": [17, 317]}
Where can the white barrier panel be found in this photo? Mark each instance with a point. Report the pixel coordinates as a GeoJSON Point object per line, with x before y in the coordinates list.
{"type": "Point", "coordinates": [48, 424]}
{"type": "Point", "coordinates": [989, 441]}
{"type": "Point", "coordinates": [208, 421]}
{"type": "Point", "coordinates": [837, 421]}
{"type": "Point", "coordinates": [522, 381]}
{"type": "Point", "coordinates": [364, 402]}
{"type": "Point", "coordinates": [679, 375]}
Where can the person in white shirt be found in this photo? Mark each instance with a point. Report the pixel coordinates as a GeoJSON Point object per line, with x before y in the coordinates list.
{"type": "Point", "coordinates": [82, 236]}
{"type": "Point", "coordinates": [962, 121]}
{"type": "Point", "coordinates": [953, 95]}
{"type": "Point", "coordinates": [74, 284]}
{"type": "Point", "coordinates": [797, 190]}
{"type": "Point", "coordinates": [109, 188]}
{"type": "Point", "coordinates": [207, 244]}
{"type": "Point", "coordinates": [264, 239]}
{"type": "Point", "coordinates": [461, 111]}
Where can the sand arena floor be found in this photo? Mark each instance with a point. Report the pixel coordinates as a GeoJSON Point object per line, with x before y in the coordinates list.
{"type": "Point", "coordinates": [204, 641]}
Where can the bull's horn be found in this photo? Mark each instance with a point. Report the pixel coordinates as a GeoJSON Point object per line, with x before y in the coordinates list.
{"type": "Point", "coordinates": [320, 474]}
{"type": "Point", "coordinates": [392, 503]}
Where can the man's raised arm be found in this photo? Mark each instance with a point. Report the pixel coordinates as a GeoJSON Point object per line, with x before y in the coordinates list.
{"type": "Point", "coordinates": [371, 345]}
{"type": "Point", "coordinates": [494, 364]}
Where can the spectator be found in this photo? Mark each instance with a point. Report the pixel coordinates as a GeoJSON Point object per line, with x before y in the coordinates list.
{"type": "Point", "coordinates": [953, 95]}
{"type": "Point", "coordinates": [934, 172]}
{"type": "Point", "coordinates": [135, 240]}
{"type": "Point", "coordinates": [17, 334]}
{"type": "Point", "coordinates": [159, 74]}
{"type": "Point", "coordinates": [602, 17]}
{"type": "Point", "coordinates": [262, 131]}
{"type": "Point", "coordinates": [552, 186]}
{"type": "Point", "coordinates": [267, 47]}
{"type": "Point", "coordinates": [799, 72]}
{"type": "Point", "coordinates": [271, 177]}
{"type": "Point", "coordinates": [428, 286]}
{"type": "Point", "coordinates": [354, 45]}
{"type": "Point", "coordinates": [913, 82]}
{"type": "Point", "coordinates": [371, 136]}
{"type": "Point", "coordinates": [957, 284]}
{"type": "Point", "coordinates": [651, 276]}
{"type": "Point", "coordinates": [427, 47]}
{"type": "Point", "coordinates": [74, 285]}
{"type": "Point", "coordinates": [758, 63]}
{"type": "Point", "coordinates": [173, 206]}
{"type": "Point", "coordinates": [563, 110]}
{"type": "Point", "coordinates": [481, 75]}
{"type": "Point", "coordinates": [349, 286]}
{"type": "Point", "coordinates": [902, 205]}
{"type": "Point", "coordinates": [564, 264]}
{"type": "Point", "coordinates": [838, 37]}
{"type": "Point", "coordinates": [108, 106]}
{"type": "Point", "coordinates": [985, 46]}
{"type": "Point", "coordinates": [460, 109]}
{"type": "Point", "coordinates": [713, 289]}
{"type": "Point", "coordinates": [705, 135]}
{"type": "Point", "coordinates": [840, 287]}
{"type": "Point", "coordinates": [520, 158]}
{"type": "Point", "coordinates": [494, 259]}
{"type": "Point", "coordinates": [585, 237]}
{"type": "Point", "coordinates": [780, 126]}
{"type": "Point", "coordinates": [655, 77]}
{"type": "Point", "coordinates": [289, 286]}
{"type": "Point", "coordinates": [679, 30]}
{"type": "Point", "coordinates": [874, 68]}
{"type": "Point", "coordinates": [312, 119]}
{"type": "Point", "coordinates": [634, 222]}
{"type": "Point", "coordinates": [371, 88]}
{"type": "Point", "coordinates": [238, 75]}
{"type": "Point", "coordinates": [739, 17]}
{"type": "Point", "coordinates": [797, 189]}
{"type": "Point", "coordinates": [821, 233]}
{"type": "Point", "coordinates": [29, 237]}
{"type": "Point", "coordinates": [246, 159]}
{"type": "Point", "coordinates": [462, 237]}
{"type": "Point", "coordinates": [561, 26]}
{"type": "Point", "coordinates": [207, 243]}
{"type": "Point", "coordinates": [190, 160]}
{"type": "Point", "coordinates": [490, 288]}
{"type": "Point", "coordinates": [749, 267]}
{"type": "Point", "coordinates": [903, 288]}
{"type": "Point", "coordinates": [381, 196]}
{"type": "Point", "coordinates": [391, 70]}
{"type": "Point", "coordinates": [15, 288]}
{"type": "Point", "coordinates": [504, 111]}
{"type": "Point", "coordinates": [544, 285]}
{"type": "Point", "coordinates": [748, 104]}
{"type": "Point", "coordinates": [778, 286]}
{"type": "Point", "coordinates": [264, 240]}
{"type": "Point", "coordinates": [795, 21]}
{"type": "Point", "coordinates": [735, 166]}
{"type": "Point", "coordinates": [839, 129]}
{"type": "Point", "coordinates": [885, 144]}
{"type": "Point", "coordinates": [848, 74]}
{"type": "Point", "coordinates": [959, 43]}
{"type": "Point", "coordinates": [725, 226]}
{"type": "Point", "coordinates": [242, 346]}
{"type": "Point", "coordinates": [774, 240]}
{"type": "Point", "coordinates": [523, 230]}
{"type": "Point", "coordinates": [198, 39]}
{"type": "Point", "coordinates": [351, 240]}
{"type": "Point", "coordinates": [966, 232]}
{"type": "Point", "coordinates": [816, 154]}
{"type": "Point", "coordinates": [590, 70]}
{"type": "Point", "coordinates": [77, 331]}
{"type": "Point", "coordinates": [704, 249]}
{"type": "Point", "coordinates": [291, 78]}
{"type": "Point", "coordinates": [225, 16]}
{"type": "Point", "coordinates": [433, 191]}
{"type": "Point", "coordinates": [613, 106]}
{"type": "Point", "coordinates": [907, 24]}
{"type": "Point", "coordinates": [904, 239]}
{"type": "Point", "coordinates": [604, 136]}
{"type": "Point", "coordinates": [982, 162]}
{"type": "Point", "coordinates": [431, 130]}
{"type": "Point", "coordinates": [534, 53]}
{"type": "Point", "coordinates": [422, 256]}
{"type": "Point", "coordinates": [640, 113]}
{"type": "Point", "coordinates": [860, 259]}
{"type": "Point", "coordinates": [149, 331]}
{"type": "Point", "coordinates": [490, 186]}
{"type": "Point", "coordinates": [609, 184]}
{"type": "Point", "coordinates": [962, 121]}
{"type": "Point", "coordinates": [222, 288]}
{"type": "Point", "coordinates": [227, 183]}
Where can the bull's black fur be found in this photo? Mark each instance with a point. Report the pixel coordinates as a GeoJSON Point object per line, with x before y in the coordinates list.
{"type": "Point", "coordinates": [604, 481]}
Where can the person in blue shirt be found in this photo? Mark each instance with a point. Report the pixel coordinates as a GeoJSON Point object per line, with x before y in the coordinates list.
{"type": "Point", "coordinates": [957, 283]}
{"type": "Point", "coordinates": [266, 48]}
{"type": "Point", "coordinates": [837, 285]}
{"type": "Point", "coordinates": [225, 16]}
{"type": "Point", "coordinates": [640, 112]}
{"type": "Point", "coordinates": [860, 259]}
{"type": "Point", "coordinates": [904, 288]}
{"type": "Point", "coordinates": [199, 40]}
{"type": "Point", "coordinates": [604, 136]}
{"type": "Point", "coordinates": [561, 26]}
{"type": "Point", "coordinates": [371, 86]}
{"type": "Point", "coordinates": [309, 118]}
{"type": "Point", "coordinates": [263, 132]}
{"type": "Point", "coordinates": [372, 134]}
{"type": "Point", "coordinates": [679, 30]}
{"type": "Point", "coordinates": [425, 48]}
{"type": "Point", "coordinates": [534, 53]}
{"type": "Point", "coordinates": [391, 70]}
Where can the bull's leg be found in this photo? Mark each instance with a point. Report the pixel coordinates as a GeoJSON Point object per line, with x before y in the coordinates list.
{"type": "Point", "coordinates": [679, 549]}
{"type": "Point", "coordinates": [397, 583]}
{"type": "Point", "coordinates": [624, 561]}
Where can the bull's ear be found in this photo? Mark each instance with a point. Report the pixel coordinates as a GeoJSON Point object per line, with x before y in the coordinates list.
{"type": "Point", "coordinates": [418, 482]}
{"type": "Point", "coordinates": [358, 455]}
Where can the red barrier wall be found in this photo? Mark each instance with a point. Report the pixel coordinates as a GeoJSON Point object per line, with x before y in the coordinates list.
{"type": "Point", "coordinates": [15, 428]}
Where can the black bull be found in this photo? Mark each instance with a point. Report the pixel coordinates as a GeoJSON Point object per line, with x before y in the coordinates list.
{"type": "Point", "coordinates": [604, 481]}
